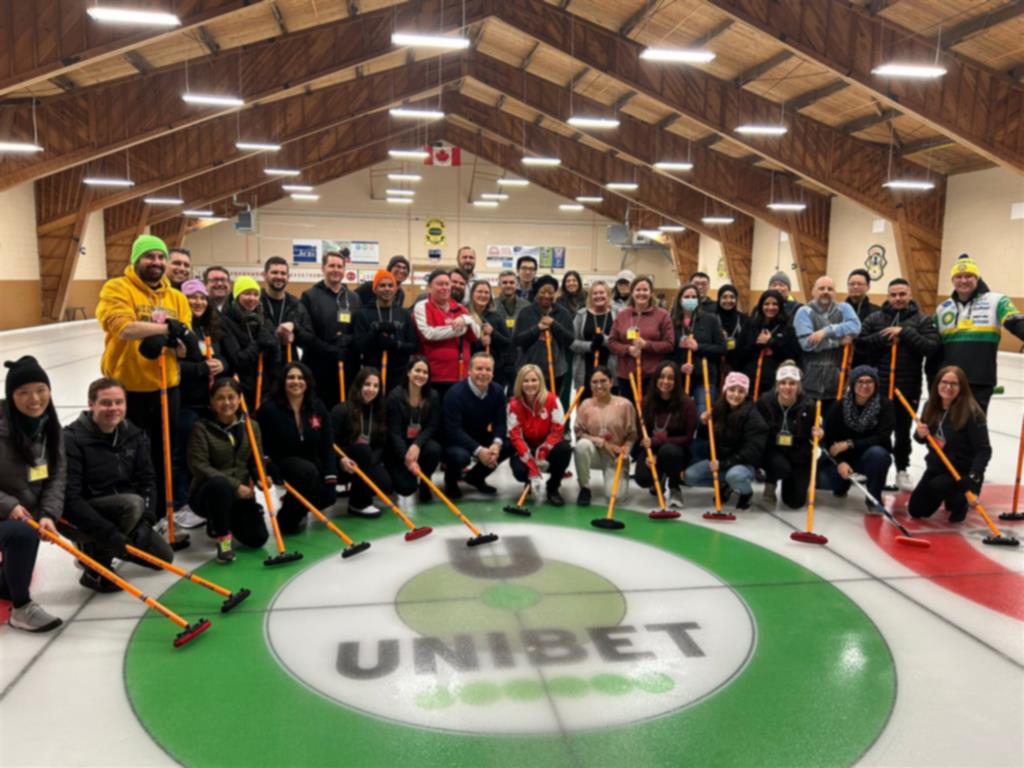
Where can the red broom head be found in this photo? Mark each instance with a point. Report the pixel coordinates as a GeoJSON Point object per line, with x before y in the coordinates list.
{"type": "Point", "coordinates": [664, 514]}
{"type": "Point", "coordinates": [808, 537]}
{"type": "Point", "coordinates": [910, 542]}
{"type": "Point", "coordinates": [718, 516]}
{"type": "Point", "coordinates": [191, 632]}
{"type": "Point", "coordinates": [418, 533]}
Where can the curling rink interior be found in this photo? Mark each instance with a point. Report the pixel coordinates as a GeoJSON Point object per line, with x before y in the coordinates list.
{"type": "Point", "coordinates": [675, 643]}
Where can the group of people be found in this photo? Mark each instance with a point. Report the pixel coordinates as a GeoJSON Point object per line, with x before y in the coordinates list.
{"type": "Point", "coordinates": [346, 385]}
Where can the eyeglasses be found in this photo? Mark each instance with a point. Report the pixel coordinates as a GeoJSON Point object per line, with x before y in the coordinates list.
{"type": "Point", "coordinates": [865, 383]}
{"type": "Point", "coordinates": [950, 384]}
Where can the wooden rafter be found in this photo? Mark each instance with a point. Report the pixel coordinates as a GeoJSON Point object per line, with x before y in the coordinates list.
{"type": "Point", "coordinates": [869, 121]}
{"type": "Point", "coordinates": [638, 17]}
{"type": "Point", "coordinates": [981, 23]}
{"type": "Point", "coordinates": [816, 94]}
{"type": "Point", "coordinates": [59, 247]}
{"type": "Point", "coordinates": [756, 71]}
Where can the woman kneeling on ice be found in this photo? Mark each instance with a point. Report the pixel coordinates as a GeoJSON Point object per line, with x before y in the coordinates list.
{"type": "Point", "coordinates": [671, 420]}
{"type": "Point", "coordinates": [221, 460]}
{"type": "Point", "coordinates": [360, 429]}
{"type": "Point", "coordinates": [954, 418]}
{"type": "Point", "coordinates": [605, 427]}
{"type": "Point", "coordinates": [740, 434]}
{"type": "Point", "coordinates": [536, 428]}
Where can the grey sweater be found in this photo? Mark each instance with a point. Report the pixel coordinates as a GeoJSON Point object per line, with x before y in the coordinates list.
{"type": "Point", "coordinates": [39, 497]}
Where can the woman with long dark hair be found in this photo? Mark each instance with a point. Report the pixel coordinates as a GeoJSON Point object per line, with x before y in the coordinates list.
{"type": "Point", "coordinates": [223, 473]}
{"type": "Point", "coordinates": [698, 337]}
{"type": "Point", "coordinates": [670, 417]}
{"type": "Point", "coordinates": [572, 296]}
{"type": "Point", "coordinates": [297, 437]}
{"type": "Point", "coordinates": [33, 473]}
{"type": "Point", "coordinates": [769, 331]}
{"type": "Point", "coordinates": [495, 336]}
{"type": "Point", "coordinates": [360, 430]}
{"type": "Point", "coordinates": [954, 418]}
{"type": "Point", "coordinates": [414, 427]}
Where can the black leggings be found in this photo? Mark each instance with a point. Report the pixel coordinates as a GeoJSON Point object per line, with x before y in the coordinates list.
{"type": "Point", "coordinates": [558, 462]}
{"type": "Point", "coordinates": [304, 476]}
{"type": "Point", "coordinates": [144, 411]}
{"type": "Point", "coordinates": [359, 494]}
{"type": "Point", "coordinates": [670, 459]}
{"type": "Point", "coordinates": [225, 513]}
{"type": "Point", "coordinates": [937, 488]}
{"type": "Point", "coordinates": [405, 481]}
{"type": "Point", "coordinates": [796, 478]}
{"type": "Point", "coordinates": [19, 544]}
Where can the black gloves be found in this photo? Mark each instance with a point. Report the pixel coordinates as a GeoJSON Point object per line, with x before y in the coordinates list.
{"type": "Point", "coordinates": [152, 347]}
{"type": "Point", "coordinates": [176, 330]}
{"type": "Point", "coordinates": [597, 342]}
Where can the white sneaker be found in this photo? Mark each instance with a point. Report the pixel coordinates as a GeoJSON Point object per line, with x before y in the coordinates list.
{"type": "Point", "coordinates": [675, 498]}
{"type": "Point", "coordinates": [187, 519]}
{"type": "Point", "coordinates": [407, 505]}
{"type": "Point", "coordinates": [32, 617]}
{"type": "Point", "coordinates": [370, 511]}
{"type": "Point", "coordinates": [904, 482]}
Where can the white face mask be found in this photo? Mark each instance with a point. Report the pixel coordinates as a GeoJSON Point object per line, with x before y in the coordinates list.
{"type": "Point", "coordinates": [689, 304]}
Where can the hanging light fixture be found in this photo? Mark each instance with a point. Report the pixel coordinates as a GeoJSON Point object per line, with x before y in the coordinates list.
{"type": "Point", "coordinates": [415, 113]}
{"type": "Point", "coordinates": [678, 55]}
{"type": "Point", "coordinates": [257, 146]}
{"type": "Point", "coordinates": [282, 171]}
{"type": "Point", "coordinates": [400, 192]}
{"type": "Point", "coordinates": [296, 188]}
{"type": "Point", "coordinates": [444, 42]}
{"type": "Point", "coordinates": [542, 162]}
{"type": "Point", "coordinates": [412, 178]}
{"type": "Point", "coordinates": [408, 154]}
{"type": "Point", "coordinates": [904, 184]}
{"type": "Point", "coordinates": [304, 196]}
{"type": "Point", "coordinates": [25, 147]}
{"type": "Point", "coordinates": [132, 16]}
{"type": "Point", "coordinates": [593, 199]}
{"type": "Point", "coordinates": [570, 207]}
{"type": "Point", "coordinates": [513, 183]}
{"type": "Point", "coordinates": [793, 206]}
{"type": "Point", "coordinates": [493, 196]}
{"type": "Point", "coordinates": [485, 203]}
{"type": "Point", "coordinates": [198, 212]}
{"type": "Point", "coordinates": [622, 186]}
{"type": "Point", "coordinates": [672, 228]}
{"type": "Point", "coordinates": [163, 201]}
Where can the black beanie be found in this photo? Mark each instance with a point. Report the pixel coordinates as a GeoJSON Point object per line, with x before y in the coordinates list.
{"type": "Point", "coordinates": [399, 260]}
{"type": "Point", "coordinates": [25, 370]}
{"type": "Point", "coordinates": [543, 280]}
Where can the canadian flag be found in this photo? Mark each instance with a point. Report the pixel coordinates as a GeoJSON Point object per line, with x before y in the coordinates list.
{"type": "Point", "coordinates": [443, 153]}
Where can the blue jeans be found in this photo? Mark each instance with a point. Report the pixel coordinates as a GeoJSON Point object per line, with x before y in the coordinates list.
{"type": "Point", "coordinates": [738, 477]}
{"type": "Point", "coordinates": [698, 396]}
{"type": "Point", "coordinates": [873, 463]}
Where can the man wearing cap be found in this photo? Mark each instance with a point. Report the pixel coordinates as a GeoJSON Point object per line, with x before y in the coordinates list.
{"type": "Point", "coordinates": [823, 328]}
{"type": "Point", "coordinates": [383, 327]}
{"type": "Point", "coordinates": [285, 312]}
{"type": "Point", "coordinates": [702, 283]}
{"type": "Point", "coordinates": [780, 282]}
{"type": "Point", "coordinates": [331, 307]}
{"type": "Point", "coordinates": [140, 309]}
{"type": "Point", "coordinates": [400, 269]}
{"type": "Point", "coordinates": [526, 270]}
{"type": "Point", "coordinates": [621, 294]}
{"type": "Point", "coordinates": [970, 323]}
{"type": "Point", "coordinates": [445, 330]}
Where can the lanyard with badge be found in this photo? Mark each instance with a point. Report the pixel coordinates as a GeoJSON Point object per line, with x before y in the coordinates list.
{"type": "Point", "coordinates": [730, 340]}
{"type": "Point", "coordinates": [785, 438]}
{"type": "Point", "coordinates": [344, 314]}
{"type": "Point", "coordinates": [40, 470]}
{"type": "Point", "coordinates": [940, 435]}
{"type": "Point", "coordinates": [364, 430]}
{"type": "Point", "coordinates": [965, 323]}
{"type": "Point", "coordinates": [660, 432]}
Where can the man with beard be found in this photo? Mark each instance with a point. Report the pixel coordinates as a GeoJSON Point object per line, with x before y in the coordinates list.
{"type": "Point", "coordinates": [460, 281]}
{"type": "Point", "coordinates": [144, 320]}
{"type": "Point", "coordinates": [332, 308]}
{"type": "Point", "coordinates": [823, 328]}
{"type": "Point", "coordinates": [179, 266]}
{"type": "Point", "coordinates": [900, 322]}
{"type": "Point", "coordinates": [284, 311]}
{"type": "Point", "coordinates": [400, 269]}
{"type": "Point", "coordinates": [465, 260]}
{"type": "Point", "coordinates": [383, 326]}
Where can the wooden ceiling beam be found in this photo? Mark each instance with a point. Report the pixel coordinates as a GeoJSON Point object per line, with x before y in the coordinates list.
{"type": "Point", "coordinates": [980, 23]}
{"type": "Point", "coordinates": [923, 145]}
{"type": "Point", "coordinates": [815, 95]}
{"type": "Point", "coordinates": [980, 108]}
{"type": "Point", "coordinates": [278, 18]}
{"type": "Point", "coordinates": [141, 108]}
{"type": "Point", "coordinates": [138, 61]}
{"type": "Point", "coordinates": [208, 40]}
{"type": "Point", "coordinates": [711, 34]}
{"type": "Point", "coordinates": [59, 248]}
{"type": "Point", "coordinates": [756, 71]}
{"type": "Point", "coordinates": [869, 121]}
{"type": "Point", "coordinates": [638, 17]}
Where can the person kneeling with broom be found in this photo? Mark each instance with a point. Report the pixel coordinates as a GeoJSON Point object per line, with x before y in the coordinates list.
{"type": "Point", "coordinates": [223, 476]}
{"type": "Point", "coordinates": [605, 427]}
{"type": "Point", "coordinates": [670, 416]}
{"type": "Point", "coordinates": [740, 436]}
{"type": "Point", "coordinates": [536, 428]}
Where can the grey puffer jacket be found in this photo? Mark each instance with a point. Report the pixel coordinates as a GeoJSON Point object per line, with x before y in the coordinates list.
{"type": "Point", "coordinates": [41, 497]}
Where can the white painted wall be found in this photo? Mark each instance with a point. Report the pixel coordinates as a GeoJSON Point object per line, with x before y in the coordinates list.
{"type": "Point", "coordinates": [852, 231]}
{"type": "Point", "coordinates": [19, 249]}
{"type": "Point", "coordinates": [772, 252]}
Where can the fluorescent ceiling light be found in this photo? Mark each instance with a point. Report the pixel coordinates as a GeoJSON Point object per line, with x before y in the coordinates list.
{"type": "Point", "coordinates": [513, 183]}
{"type": "Point", "coordinates": [100, 181]}
{"type": "Point", "coordinates": [429, 41]}
{"type": "Point", "coordinates": [400, 200]}
{"type": "Point", "coordinates": [678, 55]}
{"type": "Point", "coordinates": [541, 161]}
{"type": "Point", "coordinates": [674, 165]}
{"type": "Point", "coordinates": [718, 219]}
{"type": "Point", "coordinates": [589, 199]}
{"type": "Point", "coordinates": [400, 192]}
{"type": "Point", "coordinates": [918, 71]}
{"type": "Point", "coordinates": [409, 154]}
{"type": "Point", "coordinates": [754, 129]}
{"type": "Point", "coordinates": [672, 228]}
{"type": "Point", "coordinates": [281, 171]}
{"type": "Point", "coordinates": [19, 146]}
{"type": "Point", "coordinates": [918, 184]}
{"type": "Point", "coordinates": [213, 100]}
{"type": "Point", "coordinates": [570, 207]}
{"type": "Point", "coordinates": [650, 234]}
{"type": "Point", "coordinates": [494, 196]}
{"type": "Point", "coordinates": [129, 16]}
{"type": "Point", "coordinates": [197, 212]}
{"type": "Point", "coordinates": [623, 186]}
{"type": "Point", "coordinates": [304, 196]}
{"type": "Point", "coordinates": [485, 203]}
{"type": "Point", "coordinates": [417, 114]}
{"type": "Point", "coordinates": [787, 206]}
{"type": "Point", "coordinates": [593, 122]}
{"type": "Point", "coordinates": [296, 188]}
{"type": "Point", "coordinates": [412, 177]}
{"type": "Point", "coordinates": [259, 146]}
{"type": "Point", "coordinates": [163, 201]}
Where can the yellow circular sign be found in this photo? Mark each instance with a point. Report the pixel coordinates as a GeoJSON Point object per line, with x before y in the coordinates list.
{"type": "Point", "coordinates": [435, 231]}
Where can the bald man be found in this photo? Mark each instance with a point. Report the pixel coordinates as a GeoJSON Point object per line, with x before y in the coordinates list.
{"type": "Point", "coordinates": [823, 328]}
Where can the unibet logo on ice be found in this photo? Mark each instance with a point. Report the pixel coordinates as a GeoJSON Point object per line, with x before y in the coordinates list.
{"type": "Point", "coordinates": [549, 628]}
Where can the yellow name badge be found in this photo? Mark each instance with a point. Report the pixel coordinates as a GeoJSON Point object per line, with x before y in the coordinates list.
{"type": "Point", "coordinates": [730, 344]}
{"type": "Point", "coordinates": [38, 473]}
{"type": "Point", "coordinates": [510, 323]}
{"type": "Point", "coordinates": [632, 333]}
{"type": "Point", "coordinates": [344, 317]}
{"type": "Point", "coordinates": [965, 323]}
{"type": "Point", "coordinates": [785, 439]}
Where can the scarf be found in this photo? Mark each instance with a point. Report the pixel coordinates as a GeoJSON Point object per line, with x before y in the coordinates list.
{"type": "Point", "coordinates": [861, 419]}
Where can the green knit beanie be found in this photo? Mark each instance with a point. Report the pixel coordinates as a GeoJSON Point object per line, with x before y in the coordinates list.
{"type": "Point", "coordinates": [244, 283]}
{"type": "Point", "coordinates": [145, 244]}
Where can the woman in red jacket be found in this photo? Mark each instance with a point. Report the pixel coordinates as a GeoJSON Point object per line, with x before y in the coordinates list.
{"type": "Point", "coordinates": [536, 429]}
{"type": "Point", "coordinates": [641, 336]}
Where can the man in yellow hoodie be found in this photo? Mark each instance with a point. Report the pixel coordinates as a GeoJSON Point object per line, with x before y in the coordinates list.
{"type": "Point", "coordinates": [144, 318]}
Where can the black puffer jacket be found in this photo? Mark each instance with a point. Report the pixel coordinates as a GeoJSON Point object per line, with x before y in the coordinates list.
{"type": "Point", "coordinates": [740, 437]}
{"type": "Point", "coordinates": [799, 422]}
{"type": "Point", "coordinates": [246, 336]}
{"type": "Point", "coordinates": [837, 430]}
{"type": "Point", "coordinates": [531, 347]}
{"type": "Point", "coordinates": [332, 334]}
{"type": "Point", "coordinates": [290, 311]}
{"type": "Point", "coordinates": [918, 339]}
{"type": "Point", "coordinates": [781, 346]}
{"type": "Point", "coordinates": [376, 329]}
{"type": "Point", "coordinates": [195, 374]}
{"type": "Point", "coordinates": [968, 449]}
{"type": "Point", "coordinates": [707, 330]}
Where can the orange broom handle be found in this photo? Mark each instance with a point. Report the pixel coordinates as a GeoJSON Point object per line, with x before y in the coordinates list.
{"type": "Point", "coordinates": [447, 502]}
{"type": "Point", "coordinates": [551, 364]}
{"type": "Point", "coordinates": [317, 513]}
{"type": "Point", "coordinates": [615, 484]}
{"type": "Point", "coordinates": [711, 434]}
{"type": "Point", "coordinates": [128, 587]}
{"type": "Point", "coordinates": [650, 453]}
{"type": "Point", "coordinates": [341, 381]}
{"type": "Point", "coordinates": [154, 560]}
{"type": "Point", "coordinates": [258, 458]}
{"type": "Point", "coordinates": [971, 496]}
{"type": "Point", "coordinates": [597, 352]}
{"type": "Point", "coordinates": [373, 487]}
{"type": "Point", "coordinates": [208, 354]}
{"type": "Point", "coordinates": [259, 380]}
{"type": "Point", "coordinates": [523, 495]}
{"type": "Point", "coordinates": [1020, 461]}
{"type": "Point", "coordinates": [892, 366]}
{"type": "Point", "coordinates": [689, 361]}
{"type": "Point", "coordinates": [573, 404]}
{"type": "Point", "coordinates": [384, 372]}
{"type": "Point", "coordinates": [757, 381]}
{"type": "Point", "coordinates": [288, 352]}
{"type": "Point", "coordinates": [842, 371]}
{"type": "Point", "coordinates": [814, 467]}
{"type": "Point", "coordinates": [165, 423]}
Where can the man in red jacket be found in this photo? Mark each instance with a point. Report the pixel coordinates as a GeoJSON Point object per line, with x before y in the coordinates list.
{"type": "Point", "coordinates": [445, 330]}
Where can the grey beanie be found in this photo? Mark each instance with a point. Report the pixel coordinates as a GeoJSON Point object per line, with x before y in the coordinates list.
{"type": "Point", "coordinates": [781, 277]}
